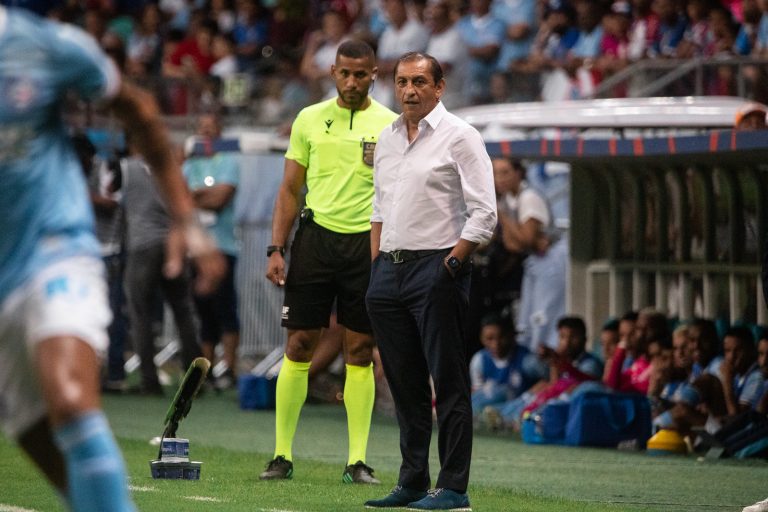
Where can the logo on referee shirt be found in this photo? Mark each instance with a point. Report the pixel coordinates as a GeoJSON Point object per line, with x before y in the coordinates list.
{"type": "Point", "coordinates": [368, 149]}
{"type": "Point", "coordinates": [286, 310]}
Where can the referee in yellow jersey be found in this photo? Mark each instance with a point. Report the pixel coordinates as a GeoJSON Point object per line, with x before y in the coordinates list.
{"type": "Point", "coordinates": [331, 153]}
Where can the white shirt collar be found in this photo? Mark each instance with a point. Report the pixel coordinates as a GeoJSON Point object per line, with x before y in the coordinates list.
{"type": "Point", "coordinates": [432, 119]}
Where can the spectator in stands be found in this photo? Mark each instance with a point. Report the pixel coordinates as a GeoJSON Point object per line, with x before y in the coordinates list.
{"type": "Point", "coordinates": [192, 58]}
{"type": "Point", "coordinates": [627, 325]}
{"type": "Point", "coordinates": [188, 65]}
{"type": "Point", "coordinates": [630, 368]}
{"type": "Point", "coordinates": [502, 370]}
{"type": "Point", "coordinates": [645, 24]}
{"type": "Point", "coordinates": [289, 27]}
{"type": "Point", "coordinates": [499, 88]}
{"type": "Point", "coordinates": [724, 30]}
{"type": "Point", "coordinates": [614, 47]}
{"type": "Point", "coordinates": [222, 13]}
{"type": "Point", "coordinates": [482, 34]}
{"type": "Point", "coordinates": [179, 12]}
{"type": "Point", "coordinates": [320, 54]}
{"type": "Point", "coordinates": [556, 36]}
{"type": "Point", "coordinates": [671, 372]}
{"type": "Point", "coordinates": [672, 25]}
{"type": "Point", "coordinates": [706, 347]}
{"type": "Point", "coordinates": [251, 32]}
{"type": "Point", "coordinates": [145, 44]}
{"type": "Point", "coordinates": [683, 348]}
{"type": "Point", "coordinates": [147, 227]}
{"type": "Point", "coordinates": [226, 64]}
{"type": "Point", "coordinates": [213, 181]}
{"type": "Point", "coordinates": [551, 47]}
{"type": "Point", "coordinates": [528, 228]}
{"type": "Point", "coordinates": [403, 34]}
{"type": "Point", "coordinates": [609, 340]}
{"type": "Point", "coordinates": [747, 35]}
{"type": "Point", "coordinates": [589, 15]}
{"type": "Point", "coordinates": [446, 46]}
{"type": "Point", "coordinates": [520, 18]}
{"type": "Point", "coordinates": [742, 377]}
{"type": "Point", "coordinates": [698, 39]}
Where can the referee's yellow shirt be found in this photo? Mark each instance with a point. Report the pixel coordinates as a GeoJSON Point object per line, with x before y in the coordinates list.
{"type": "Point", "coordinates": [336, 147]}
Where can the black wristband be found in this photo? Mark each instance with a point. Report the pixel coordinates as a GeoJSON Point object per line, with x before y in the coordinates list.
{"type": "Point", "coordinates": [275, 248]}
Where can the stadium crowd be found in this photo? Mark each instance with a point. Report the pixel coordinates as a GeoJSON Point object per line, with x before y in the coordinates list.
{"type": "Point", "coordinates": [269, 58]}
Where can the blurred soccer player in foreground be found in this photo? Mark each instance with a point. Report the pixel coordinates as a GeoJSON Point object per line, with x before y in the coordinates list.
{"type": "Point", "coordinates": [53, 299]}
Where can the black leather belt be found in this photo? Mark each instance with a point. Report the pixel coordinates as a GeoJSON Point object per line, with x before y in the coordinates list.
{"type": "Point", "coordinates": [403, 255]}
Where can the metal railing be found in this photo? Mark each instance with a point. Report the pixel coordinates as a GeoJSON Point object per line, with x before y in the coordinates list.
{"type": "Point", "coordinates": [696, 76]}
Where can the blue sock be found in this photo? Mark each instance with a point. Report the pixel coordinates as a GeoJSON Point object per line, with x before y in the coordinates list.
{"type": "Point", "coordinates": [96, 476]}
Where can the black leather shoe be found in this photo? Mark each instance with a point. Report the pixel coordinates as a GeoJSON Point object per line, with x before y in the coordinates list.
{"type": "Point", "coordinates": [399, 497]}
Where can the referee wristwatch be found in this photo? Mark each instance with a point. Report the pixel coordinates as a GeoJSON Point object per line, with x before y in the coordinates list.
{"type": "Point", "coordinates": [275, 248]}
{"type": "Point", "coordinates": [454, 264]}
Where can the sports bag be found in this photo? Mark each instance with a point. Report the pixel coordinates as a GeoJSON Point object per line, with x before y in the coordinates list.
{"type": "Point", "coordinates": [602, 418]}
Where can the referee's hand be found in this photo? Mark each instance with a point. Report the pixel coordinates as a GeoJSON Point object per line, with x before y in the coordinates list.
{"type": "Point", "coordinates": [276, 269]}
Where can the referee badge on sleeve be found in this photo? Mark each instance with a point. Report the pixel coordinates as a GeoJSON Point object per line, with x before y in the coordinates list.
{"type": "Point", "coordinates": [368, 149]}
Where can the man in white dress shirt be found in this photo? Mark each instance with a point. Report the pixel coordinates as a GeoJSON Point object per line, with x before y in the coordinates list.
{"type": "Point", "coordinates": [434, 203]}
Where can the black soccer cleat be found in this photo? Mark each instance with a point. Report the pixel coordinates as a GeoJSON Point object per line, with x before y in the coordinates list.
{"type": "Point", "coordinates": [359, 473]}
{"type": "Point", "coordinates": [277, 469]}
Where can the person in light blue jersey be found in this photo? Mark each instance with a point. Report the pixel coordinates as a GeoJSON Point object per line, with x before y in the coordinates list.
{"type": "Point", "coordinates": [483, 34]}
{"type": "Point", "coordinates": [519, 16]}
{"type": "Point", "coordinates": [53, 299]}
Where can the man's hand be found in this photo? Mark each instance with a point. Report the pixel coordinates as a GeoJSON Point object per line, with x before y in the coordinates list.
{"type": "Point", "coordinates": [276, 269]}
{"type": "Point", "coordinates": [191, 240]}
{"type": "Point", "coordinates": [550, 356]}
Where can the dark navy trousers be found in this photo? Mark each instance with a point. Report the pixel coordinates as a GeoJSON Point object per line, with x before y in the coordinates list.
{"type": "Point", "coordinates": [417, 311]}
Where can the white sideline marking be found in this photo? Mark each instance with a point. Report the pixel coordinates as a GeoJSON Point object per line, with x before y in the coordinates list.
{"type": "Point", "coordinates": [139, 488]}
{"type": "Point", "coordinates": [203, 498]}
{"type": "Point", "coordinates": [11, 508]}
{"type": "Point", "coordinates": [273, 510]}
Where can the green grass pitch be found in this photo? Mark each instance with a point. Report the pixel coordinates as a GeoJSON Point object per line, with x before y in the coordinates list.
{"type": "Point", "coordinates": [507, 475]}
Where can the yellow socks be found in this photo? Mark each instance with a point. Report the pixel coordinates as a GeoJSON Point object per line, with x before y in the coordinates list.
{"type": "Point", "coordinates": [289, 398]}
{"type": "Point", "coordinates": [359, 394]}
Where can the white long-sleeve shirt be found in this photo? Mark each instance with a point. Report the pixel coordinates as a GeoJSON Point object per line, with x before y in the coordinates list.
{"type": "Point", "coordinates": [435, 190]}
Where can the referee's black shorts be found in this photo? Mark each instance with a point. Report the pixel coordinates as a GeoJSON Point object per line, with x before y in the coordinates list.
{"type": "Point", "coordinates": [324, 266]}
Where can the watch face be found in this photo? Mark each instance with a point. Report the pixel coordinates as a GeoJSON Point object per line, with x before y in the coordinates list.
{"type": "Point", "coordinates": [454, 262]}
